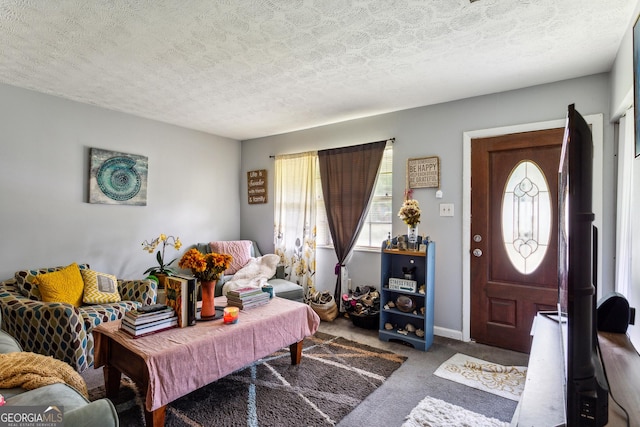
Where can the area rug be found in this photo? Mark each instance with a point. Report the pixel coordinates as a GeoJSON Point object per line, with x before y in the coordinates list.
{"type": "Point", "coordinates": [504, 381]}
{"type": "Point", "coordinates": [432, 412]}
{"type": "Point", "coordinates": [335, 375]}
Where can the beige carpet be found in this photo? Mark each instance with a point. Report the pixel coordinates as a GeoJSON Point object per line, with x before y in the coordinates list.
{"type": "Point", "coordinates": [432, 412]}
{"type": "Point", "coordinates": [504, 381]}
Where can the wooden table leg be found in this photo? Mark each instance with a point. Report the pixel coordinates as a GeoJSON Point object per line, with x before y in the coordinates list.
{"type": "Point", "coordinates": [155, 418]}
{"type": "Point", "coordinates": [296, 352]}
{"type": "Point", "coordinates": [111, 380]}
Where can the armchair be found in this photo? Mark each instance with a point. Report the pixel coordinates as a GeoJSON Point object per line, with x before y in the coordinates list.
{"type": "Point", "coordinates": [77, 410]}
{"type": "Point", "coordinates": [58, 329]}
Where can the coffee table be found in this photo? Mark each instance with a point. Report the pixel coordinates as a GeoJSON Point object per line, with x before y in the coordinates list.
{"type": "Point", "coordinates": [170, 364]}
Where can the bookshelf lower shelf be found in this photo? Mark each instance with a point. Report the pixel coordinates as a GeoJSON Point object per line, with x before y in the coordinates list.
{"type": "Point", "coordinates": [410, 338]}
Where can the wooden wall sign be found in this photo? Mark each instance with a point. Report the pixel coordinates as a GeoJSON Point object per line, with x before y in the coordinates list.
{"type": "Point", "coordinates": [423, 172]}
{"type": "Point", "coordinates": [257, 186]}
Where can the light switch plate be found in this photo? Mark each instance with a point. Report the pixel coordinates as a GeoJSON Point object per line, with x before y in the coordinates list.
{"type": "Point", "coordinates": [446, 209]}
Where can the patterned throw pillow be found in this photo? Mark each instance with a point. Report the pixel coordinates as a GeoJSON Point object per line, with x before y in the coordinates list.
{"type": "Point", "coordinates": [65, 285]}
{"type": "Point", "coordinates": [240, 250]}
{"type": "Point", "coordinates": [25, 280]}
{"type": "Point", "coordinates": [99, 288]}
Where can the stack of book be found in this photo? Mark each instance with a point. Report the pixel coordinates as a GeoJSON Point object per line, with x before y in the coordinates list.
{"type": "Point", "coordinates": [244, 298]}
{"type": "Point", "coordinates": [149, 319]}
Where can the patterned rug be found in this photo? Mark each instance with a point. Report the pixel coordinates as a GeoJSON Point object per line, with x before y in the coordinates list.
{"type": "Point", "coordinates": [432, 412]}
{"type": "Point", "coordinates": [505, 381]}
{"type": "Point", "coordinates": [335, 375]}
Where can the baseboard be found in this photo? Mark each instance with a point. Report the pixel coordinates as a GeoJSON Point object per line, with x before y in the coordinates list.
{"type": "Point", "coordinates": [447, 333]}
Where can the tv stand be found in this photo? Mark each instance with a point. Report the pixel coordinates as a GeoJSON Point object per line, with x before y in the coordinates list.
{"type": "Point", "coordinates": [542, 401]}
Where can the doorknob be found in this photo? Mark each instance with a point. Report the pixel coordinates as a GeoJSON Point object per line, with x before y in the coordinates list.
{"type": "Point", "coordinates": [477, 238]}
{"type": "Point", "coordinates": [477, 253]}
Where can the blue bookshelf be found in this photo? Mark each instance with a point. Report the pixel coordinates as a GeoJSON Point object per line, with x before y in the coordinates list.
{"type": "Point", "coordinates": [423, 264]}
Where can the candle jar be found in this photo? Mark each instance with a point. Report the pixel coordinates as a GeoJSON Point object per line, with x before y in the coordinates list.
{"type": "Point", "coordinates": [230, 315]}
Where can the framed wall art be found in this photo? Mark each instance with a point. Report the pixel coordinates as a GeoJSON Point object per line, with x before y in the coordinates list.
{"type": "Point", "coordinates": [117, 178]}
{"type": "Point", "coordinates": [257, 186]}
{"type": "Point", "coordinates": [423, 172]}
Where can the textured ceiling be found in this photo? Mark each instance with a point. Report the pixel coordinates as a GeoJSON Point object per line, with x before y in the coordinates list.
{"type": "Point", "coordinates": [251, 68]}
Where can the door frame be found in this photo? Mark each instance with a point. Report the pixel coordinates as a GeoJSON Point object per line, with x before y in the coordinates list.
{"type": "Point", "coordinates": [596, 122]}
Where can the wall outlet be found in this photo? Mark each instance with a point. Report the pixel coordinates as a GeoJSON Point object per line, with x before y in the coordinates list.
{"type": "Point", "coordinates": [446, 209]}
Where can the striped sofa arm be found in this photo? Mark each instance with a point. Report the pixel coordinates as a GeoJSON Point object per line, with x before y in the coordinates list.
{"type": "Point", "coordinates": [48, 328]}
{"type": "Point", "coordinates": [144, 291]}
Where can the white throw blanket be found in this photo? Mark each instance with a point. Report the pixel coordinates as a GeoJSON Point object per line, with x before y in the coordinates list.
{"type": "Point", "coordinates": [254, 274]}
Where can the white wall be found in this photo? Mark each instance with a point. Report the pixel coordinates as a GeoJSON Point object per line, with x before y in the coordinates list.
{"type": "Point", "coordinates": [622, 71]}
{"type": "Point", "coordinates": [622, 98]}
{"type": "Point", "coordinates": [634, 291]}
{"type": "Point", "coordinates": [45, 219]}
{"type": "Point", "coordinates": [426, 131]}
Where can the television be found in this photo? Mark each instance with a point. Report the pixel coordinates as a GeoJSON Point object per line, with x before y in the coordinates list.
{"type": "Point", "coordinates": [586, 389]}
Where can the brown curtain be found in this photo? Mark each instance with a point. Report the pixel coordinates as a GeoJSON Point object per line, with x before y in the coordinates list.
{"type": "Point", "coordinates": [348, 176]}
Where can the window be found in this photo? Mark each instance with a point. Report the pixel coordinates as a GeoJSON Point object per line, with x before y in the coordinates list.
{"type": "Point", "coordinates": [526, 217]}
{"type": "Point", "coordinates": [378, 222]}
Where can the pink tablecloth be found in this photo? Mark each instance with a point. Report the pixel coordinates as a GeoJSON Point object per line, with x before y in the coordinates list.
{"type": "Point", "coordinates": [182, 360]}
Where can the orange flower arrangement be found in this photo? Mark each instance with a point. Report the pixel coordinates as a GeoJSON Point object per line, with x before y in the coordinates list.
{"type": "Point", "coordinates": [205, 267]}
{"type": "Point", "coordinates": [410, 210]}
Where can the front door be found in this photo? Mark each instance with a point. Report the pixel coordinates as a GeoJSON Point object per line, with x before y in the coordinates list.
{"type": "Point", "coordinates": [514, 233]}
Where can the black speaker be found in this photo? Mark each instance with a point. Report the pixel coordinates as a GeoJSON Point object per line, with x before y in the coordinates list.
{"type": "Point", "coordinates": [614, 314]}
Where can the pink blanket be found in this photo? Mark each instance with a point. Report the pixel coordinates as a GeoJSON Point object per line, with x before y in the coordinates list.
{"type": "Point", "coordinates": [182, 360]}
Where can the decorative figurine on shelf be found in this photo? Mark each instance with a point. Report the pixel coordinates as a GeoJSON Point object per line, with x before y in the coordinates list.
{"type": "Point", "coordinates": [409, 273]}
{"type": "Point", "coordinates": [388, 244]}
{"type": "Point", "coordinates": [402, 243]}
{"type": "Point", "coordinates": [405, 303]}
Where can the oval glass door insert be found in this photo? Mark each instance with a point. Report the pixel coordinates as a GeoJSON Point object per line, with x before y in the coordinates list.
{"type": "Point", "coordinates": [526, 216]}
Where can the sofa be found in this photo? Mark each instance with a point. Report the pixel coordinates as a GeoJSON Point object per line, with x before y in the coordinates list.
{"type": "Point", "coordinates": [78, 411]}
{"type": "Point", "coordinates": [61, 329]}
{"type": "Point", "coordinates": [241, 250]}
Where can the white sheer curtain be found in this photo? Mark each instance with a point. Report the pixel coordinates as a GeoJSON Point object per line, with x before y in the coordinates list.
{"type": "Point", "coordinates": [295, 217]}
{"type": "Point", "coordinates": [626, 154]}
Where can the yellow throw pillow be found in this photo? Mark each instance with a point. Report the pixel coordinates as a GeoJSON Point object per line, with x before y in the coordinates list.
{"type": "Point", "coordinates": [99, 288]}
{"type": "Point", "coordinates": [64, 285]}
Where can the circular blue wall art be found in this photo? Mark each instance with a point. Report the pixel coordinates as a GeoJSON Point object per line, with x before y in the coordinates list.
{"type": "Point", "coordinates": [118, 179]}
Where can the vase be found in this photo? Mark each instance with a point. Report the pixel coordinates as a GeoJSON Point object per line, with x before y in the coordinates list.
{"type": "Point", "coordinates": [208, 310]}
{"type": "Point", "coordinates": [162, 280]}
{"type": "Point", "coordinates": [412, 236]}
